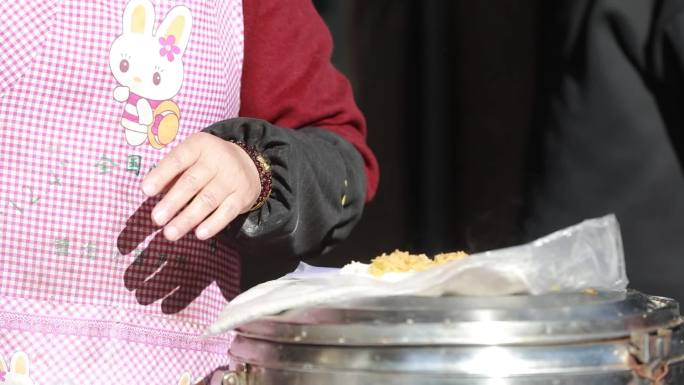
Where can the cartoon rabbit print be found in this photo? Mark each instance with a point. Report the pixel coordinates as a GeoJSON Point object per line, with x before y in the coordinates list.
{"type": "Point", "coordinates": [148, 68]}
{"type": "Point", "coordinates": [18, 373]}
{"type": "Point", "coordinates": [185, 379]}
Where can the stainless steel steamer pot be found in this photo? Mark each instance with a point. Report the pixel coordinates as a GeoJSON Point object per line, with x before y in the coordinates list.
{"type": "Point", "coordinates": [562, 339]}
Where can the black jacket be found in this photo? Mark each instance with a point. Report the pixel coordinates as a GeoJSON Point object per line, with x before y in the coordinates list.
{"type": "Point", "coordinates": [613, 132]}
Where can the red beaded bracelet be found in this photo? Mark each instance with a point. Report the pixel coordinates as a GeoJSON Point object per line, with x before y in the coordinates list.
{"type": "Point", "coordinates": [264, 169]}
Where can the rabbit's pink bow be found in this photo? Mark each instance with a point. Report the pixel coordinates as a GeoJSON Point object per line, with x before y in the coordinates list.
{"type": "Point", "coordinates": [169, 47]}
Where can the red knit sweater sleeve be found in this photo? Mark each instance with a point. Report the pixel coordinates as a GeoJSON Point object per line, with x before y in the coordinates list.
{"type": "Point", "coordinates": [288, 79]}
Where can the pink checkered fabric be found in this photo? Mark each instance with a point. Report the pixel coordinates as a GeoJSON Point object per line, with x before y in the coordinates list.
{"type": "Point", "coordinates": [74, 227]}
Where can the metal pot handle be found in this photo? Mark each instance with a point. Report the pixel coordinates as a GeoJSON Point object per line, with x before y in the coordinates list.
{"type": "Point", "coordinates": [232, 378]}
{"type": "Point", "coordinates": [235, 376]}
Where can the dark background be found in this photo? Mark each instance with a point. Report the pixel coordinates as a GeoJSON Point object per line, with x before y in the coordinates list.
{"type": "Point", "coordinates": [454, 93]}
{"type": "Point", "coordinates": [448, 89]}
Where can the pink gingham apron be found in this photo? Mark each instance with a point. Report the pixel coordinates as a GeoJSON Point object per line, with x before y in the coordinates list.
{"type": "Point", "coordinates": [70, 186]}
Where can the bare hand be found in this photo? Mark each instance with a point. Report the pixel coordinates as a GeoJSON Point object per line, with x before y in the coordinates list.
{"type": "Point", "coordinates": [210, 181]}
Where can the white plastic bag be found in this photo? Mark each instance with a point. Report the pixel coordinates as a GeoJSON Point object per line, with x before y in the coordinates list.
{"type": "Point", "coordinates": [587, 255]}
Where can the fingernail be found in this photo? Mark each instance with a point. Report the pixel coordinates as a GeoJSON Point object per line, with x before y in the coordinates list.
{"type": "Point", "coordinates": [202, 233]}
{"type": "Point", "coordinates": [159, 215]}
{"type": "Point", "coordinates": [149, 189]}
{"type": "Point", "coordinates": [171, 233]}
